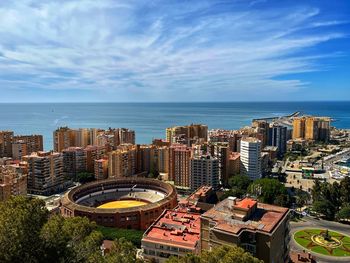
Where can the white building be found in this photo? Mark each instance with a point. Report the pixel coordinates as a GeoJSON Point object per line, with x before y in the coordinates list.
{"type": "Point", "coordinates": [251, 157]}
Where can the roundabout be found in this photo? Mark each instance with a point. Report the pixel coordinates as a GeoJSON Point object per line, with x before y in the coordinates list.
{"type": "Point", "coordinates": [323, 241]}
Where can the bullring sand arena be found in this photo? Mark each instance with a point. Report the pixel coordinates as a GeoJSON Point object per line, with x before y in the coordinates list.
{"type": "Point", "coordinates": [131, 203]}
{"type": "Point", "coordinates": [122, 204]}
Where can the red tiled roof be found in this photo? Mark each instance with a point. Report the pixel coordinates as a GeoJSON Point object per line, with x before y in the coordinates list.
{"type": "Point", "coordinates": [246, 203]}
{"type": "Point", "coordinates": [176, 228]}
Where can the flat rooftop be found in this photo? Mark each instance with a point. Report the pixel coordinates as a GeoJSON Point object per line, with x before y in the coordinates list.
{"type": "Point", "coordinates": [263, 218]}
{"type": "Point", "coordinates": [201, 192]}
{"type": "Point", "coordinates": [246, 203]}
{"type": "Point", "coordinates": [234, 156]}
{"type": "Point", "coordinates": [175, 228]}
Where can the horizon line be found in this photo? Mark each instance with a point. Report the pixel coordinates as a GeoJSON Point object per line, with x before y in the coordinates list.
{"type": "Point", "coordinates": [171, 102]}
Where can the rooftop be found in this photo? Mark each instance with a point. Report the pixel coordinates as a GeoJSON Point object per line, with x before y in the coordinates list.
{"type": "Point", "coordinates": [250, 139]}
{"type": "Point", "coordinates": [201, 192]}
{"type": "Point", "coordinates": [262, 218]}
{"type": "Point", "coordinates": [246, 203]}
{"type": "Point", "coordinates": [176, 228]}
{"type": "Point", "coordinates": [234, 155]}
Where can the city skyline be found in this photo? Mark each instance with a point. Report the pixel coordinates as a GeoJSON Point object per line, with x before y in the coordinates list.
{"type": "Point", "coordinates": [66, 51]}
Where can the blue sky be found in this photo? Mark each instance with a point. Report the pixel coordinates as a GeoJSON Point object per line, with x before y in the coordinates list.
{"type": "Point", "coordinates": [135, 50]}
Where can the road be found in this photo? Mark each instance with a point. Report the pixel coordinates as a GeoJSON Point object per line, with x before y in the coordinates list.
{"type": "Point", "coordinates": [309, 222]}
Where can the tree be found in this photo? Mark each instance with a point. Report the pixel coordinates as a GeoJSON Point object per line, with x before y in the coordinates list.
{"type": "Point", "coordinates": [328, 198]}
{"type": "Point", "coordinates": [344, 213]}
{"type": "Point", "coordinates": [27, 234]}
{"type": "Point", "coordinates": [326, 208]}
{"type": "Point", "coordinates": [345, 190]}
{"type": "Point", "coordinates": [301, 197]}
{"type": "Point", "coordinates": [72, 238]}
{"type": "Point", "coordinates": [85, 177]}
{"type": "Point", "coordinates": [239, 185]}
{"type": "Point", "coordinates": [189, 258]}
{"type": "Point", "coordinates": [122, 251]}
{"type": "Point", "coordinates": [270, 191]}
{"type": "Point", "coordinates": [21, 220]}
{"type": "Point", "coordinates": [316, 190]}
{"type": "Point", "coordinates": [222, 254]}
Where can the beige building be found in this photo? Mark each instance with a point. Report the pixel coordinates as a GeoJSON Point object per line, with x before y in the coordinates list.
{"type": "Point", "coordinates": [13, 181]}
{"type": "Point", "coordinates": [83, 137]}
{"type": "Point", "coordinates": [204, 170]}
{"type": "Point", "coordinates": [19, 149]}
{"type": "Point", "coordinates": [311, 128]}
{"type": "Point", "coordinates": [181, 161]}
{"type": "Point", "coordinates": [93, 153]}
{"type": "Point", "coordinates": [101, 169]}
{"type": "Point", "coordinates": [163, 160]}
{"type": "Point", "coordinates": [63, 138]}
{"type": "Point", "coordinates": [262, 128]}
{"type": "Point", "coordinates": [232, 137]}
{"type": "Point", "coordinates": [45, 173]}
{"type": "Point", "coordinates": [122, 162]}
{"type": "Point", "coordinates": [234, 163]}
{"type": "Point", "coordinates": [6, 138]}
{"type": "Point", "coordinates": [34, 142]}
{"type": "Point", "coordinates": [260, 229]}
{"type": "Point", "coordinates": [74, 162]}
{"type": "Point", "coordinates": [187, 134]}
{"type": "Point", "coordinates": [221, 150]}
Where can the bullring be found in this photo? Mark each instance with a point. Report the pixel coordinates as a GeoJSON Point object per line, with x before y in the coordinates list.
{"type": "Point", "coordinates": [153, 197]}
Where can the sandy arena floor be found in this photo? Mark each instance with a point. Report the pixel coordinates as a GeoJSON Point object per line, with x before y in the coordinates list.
{"type": "Point", "coordinates": [122, 204]}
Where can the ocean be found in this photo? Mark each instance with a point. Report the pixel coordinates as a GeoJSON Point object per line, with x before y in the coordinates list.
{"type": "Point", "coordinates": [149, 120]}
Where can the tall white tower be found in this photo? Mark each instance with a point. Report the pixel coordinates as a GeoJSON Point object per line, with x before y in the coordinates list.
{"type": "Point", "coordinates": [251, 157]}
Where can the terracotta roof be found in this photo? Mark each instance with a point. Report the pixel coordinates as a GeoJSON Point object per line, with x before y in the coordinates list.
{"type": "Point", "coordinates": [176, 228]}
{"type": "Point", "coordinates": [264, 218]}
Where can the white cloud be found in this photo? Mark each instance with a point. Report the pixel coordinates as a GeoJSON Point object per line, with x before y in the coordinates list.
{"type": "Point", "coordinates": [164, 51]}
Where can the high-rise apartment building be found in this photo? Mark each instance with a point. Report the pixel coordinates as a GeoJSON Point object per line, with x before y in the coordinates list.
{"type": "Point", "coordinates": [122, 162]}
{"type": "Point", "coordinates": [101, 169]}
{"type": "Point", "coordinates": [13, 181]}
{"type": "Point", "coordinates": [126, 136]}
{"type": "Point", "coordinates": [234, 164]}
{"type": "Point", "coordinates": [261, 229]}
{"type": "Point", "coordinates": [298, 128]}
{"type": "Point", "coordinates": [262, 127]}
{"type": "Point", "coordinates": [93, 153]}
{"type": "Point", "coordinates": [64, 138]}
{"type": "Point", "coordinates": [180, 163]}
{"type": "Point", "coordinates": [6, 138]}
{"type": "Point", "coordinates": [204, 171]}
{"type": "Point", "coordinates": [19, 149]}
{"type": "Point", "coordinates": [278, 137]}
{"type": "Point", "coordinates": [45, 173]}
{"type": "Point", "coordinates": [187, 134]}
{"type": "Point", "coordinates": [221, 151]}
{"type": "Point", "coordinates": [311, 128]}
{"type": "Point", "coordinates": [82, 137]}
{"type": "Point", "coordinates": [324, 129]}
{"type": "Point", "coordinates": [145, 161]}
{"type": "Point", "coordinates": [74, 162]}
{"type": "Point", "coordinates": [34, 143]}
{"type": "Point", "coordinates": [163, 159]}
{"type": "Point", "coordinates": [232, 137]}
{"type": "Point", "coordinates": [251, 157]}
